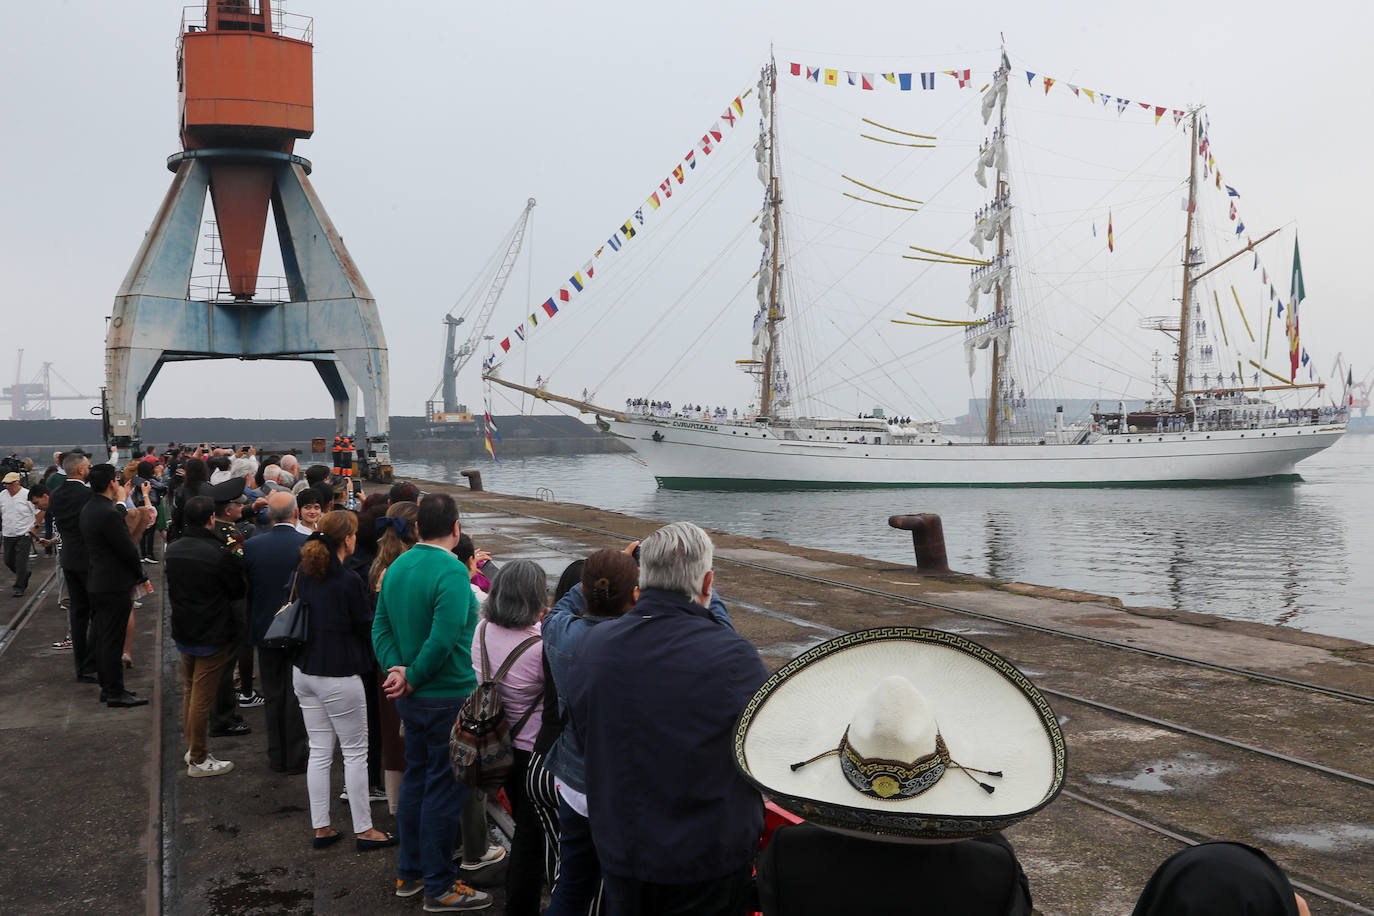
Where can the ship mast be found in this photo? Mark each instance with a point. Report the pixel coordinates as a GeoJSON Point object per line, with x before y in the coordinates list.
{"type": "Point", "coordinates": [775, 206]}
{"type": "Point", "coordinates": [1187, 268]}
{"type": "Point", "coordinates": [1001, 186]}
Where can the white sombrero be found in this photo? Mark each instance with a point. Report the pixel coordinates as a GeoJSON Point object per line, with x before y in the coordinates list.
{"type": "Point", "coordinates": [905, 733]}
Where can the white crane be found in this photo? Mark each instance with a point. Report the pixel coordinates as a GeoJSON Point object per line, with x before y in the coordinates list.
{"type": "Point", "coordinates": [456, 357]}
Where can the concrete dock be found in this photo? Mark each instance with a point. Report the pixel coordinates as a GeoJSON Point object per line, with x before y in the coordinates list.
{"type": "Point", "coordinates": [1181, 727]}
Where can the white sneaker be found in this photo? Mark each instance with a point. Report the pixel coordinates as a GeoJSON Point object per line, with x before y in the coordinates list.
{"type": "Point", "coordinates": [494, 854]}
{"type": "Point", "coordinates": [211, 766]}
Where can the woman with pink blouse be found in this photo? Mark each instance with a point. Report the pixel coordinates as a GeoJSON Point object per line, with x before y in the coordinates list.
{"type": "Point", "coordinates": [515, 607]}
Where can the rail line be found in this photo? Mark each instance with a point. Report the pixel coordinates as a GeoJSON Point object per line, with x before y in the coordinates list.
{"type": "Point", "coordinates": [25, 612]}
{"type": "Point", "coordinates": [991, 618]}
{"type": "Point", "coordinates": [1306, 888]}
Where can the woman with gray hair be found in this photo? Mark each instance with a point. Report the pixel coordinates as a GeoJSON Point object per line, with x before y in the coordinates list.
{"type": "Point", "coordinates": [516, 605]}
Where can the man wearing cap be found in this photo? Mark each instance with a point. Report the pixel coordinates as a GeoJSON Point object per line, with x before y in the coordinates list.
{"type": "Point", "coordinates": [229, 500]}
{"type": "Point", "coordinates": [19, 522]}
{"type": "Point", "coordinates": [654, 696]}
{"type": "Point", "coordinates": [115, 570]}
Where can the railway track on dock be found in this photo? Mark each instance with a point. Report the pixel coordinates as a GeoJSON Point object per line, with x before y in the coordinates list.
{"type": "Point", "coordinates": [990, 618]}
{"type": "Point", "coordinates": [24, 613]}
{"type": "Point", "coordinates": [1263, 788]}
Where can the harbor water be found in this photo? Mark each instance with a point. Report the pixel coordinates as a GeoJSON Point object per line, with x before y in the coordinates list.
{"type": "Point", "coordinates": [1294, 554]}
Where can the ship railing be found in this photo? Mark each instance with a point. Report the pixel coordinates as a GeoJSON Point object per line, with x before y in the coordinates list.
{"type": "Point", "coordinates": [288, 25]}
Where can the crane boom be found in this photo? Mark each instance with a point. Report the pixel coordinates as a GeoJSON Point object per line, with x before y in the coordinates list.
{"type": "Point", "coordinates": [455, 358]}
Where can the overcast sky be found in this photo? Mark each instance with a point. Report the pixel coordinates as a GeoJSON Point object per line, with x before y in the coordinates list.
{"type": "Point", "coordinates": [435, 122]}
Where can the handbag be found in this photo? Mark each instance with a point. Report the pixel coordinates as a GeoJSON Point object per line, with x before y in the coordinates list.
{"type": "Point", "coordinates": [290, 626]}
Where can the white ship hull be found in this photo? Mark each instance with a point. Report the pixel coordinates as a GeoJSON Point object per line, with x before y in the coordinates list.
{"type": "Point", "coordinates": [701, 454]}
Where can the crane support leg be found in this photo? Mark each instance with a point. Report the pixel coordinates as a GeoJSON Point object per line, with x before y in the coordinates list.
{"type": "Point", "coordinates": [330, 319]}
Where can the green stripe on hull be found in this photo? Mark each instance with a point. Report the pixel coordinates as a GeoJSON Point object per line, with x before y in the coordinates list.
{"type": "Point", "coordinates": [711, 483]}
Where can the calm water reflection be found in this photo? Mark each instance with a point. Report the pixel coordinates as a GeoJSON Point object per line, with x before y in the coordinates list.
{"type": "Point", "coordinates": [1295, 554]}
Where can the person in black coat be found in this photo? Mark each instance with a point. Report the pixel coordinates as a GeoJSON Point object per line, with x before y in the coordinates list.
{"type": "Point", "coordinates": [269, 560]}
{"type": "Point", "coordinates": [115, 570]}
{"type": "Point", "coordinates": [68, 494]}
{"type": "Point", "coordinates": [204, 577]}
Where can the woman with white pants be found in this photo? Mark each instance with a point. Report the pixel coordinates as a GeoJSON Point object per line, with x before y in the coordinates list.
{"type": "Point", "coordinates": [328, 677]}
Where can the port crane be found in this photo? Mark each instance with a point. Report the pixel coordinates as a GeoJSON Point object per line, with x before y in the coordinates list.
{"type": "Point", "coordinates": [476, 315]}
{"type": "Point", "coordinates": [1359, 391]}
{"type": "Point", "coordinates": [33, 400]}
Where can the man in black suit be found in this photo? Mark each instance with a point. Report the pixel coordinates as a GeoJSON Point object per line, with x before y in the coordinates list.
{"type": "Point", "coordinates": [269, 560]}
{"type": "Point", "coordinates": [65, 503]}
{"type": "Point", "coordinates": [116, 568]}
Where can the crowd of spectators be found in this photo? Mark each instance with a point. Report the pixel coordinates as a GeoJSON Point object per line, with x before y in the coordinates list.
{"type": "Point", "coordinates": [622, 692]}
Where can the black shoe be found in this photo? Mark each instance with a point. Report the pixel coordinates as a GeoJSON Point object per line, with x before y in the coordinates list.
{"type": "Point", "coordinates": [126, 699]}
{"type": "Point", "coordinates": [18, 592]}
{"type": "Point", "coordinates": [88, 679]}
{"type": "Point", "coordinates": [363, 845]}
{"type": "Point", "coordinates": [233, 730]}
{"type": "Point", "coordinates": [324, 842]}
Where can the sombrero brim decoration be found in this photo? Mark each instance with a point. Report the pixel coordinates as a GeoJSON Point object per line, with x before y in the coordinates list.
{"type": "Point", "coordinates": [988, 713]}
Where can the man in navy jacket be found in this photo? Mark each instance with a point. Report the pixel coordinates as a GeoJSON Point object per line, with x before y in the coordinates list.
{"type": "Point", "coordinates": [654, 696]}
{"type": "Point", "coordinates": [269, 560]}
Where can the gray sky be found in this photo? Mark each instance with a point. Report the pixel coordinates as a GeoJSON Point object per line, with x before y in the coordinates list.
{"type": "Point", "coordinates": [435, 121]}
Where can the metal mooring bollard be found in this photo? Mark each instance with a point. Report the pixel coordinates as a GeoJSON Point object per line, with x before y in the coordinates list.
{"type": "Point", "coordinates": [928, 537]}
{"type": "Point", "coordinates": [474, 479]}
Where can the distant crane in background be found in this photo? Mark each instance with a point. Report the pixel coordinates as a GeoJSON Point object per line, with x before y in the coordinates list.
{"type": "Point", "coordinates": [33, 400]}
{"type": "Point", "coordinates": [479, 310]}
{"type": "Point", "coordinates": [1359, 391]}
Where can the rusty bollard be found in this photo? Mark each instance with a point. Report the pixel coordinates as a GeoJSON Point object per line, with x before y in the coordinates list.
{"type": "Point", "coordinates": [928, 537]}
{"type": "Point", "coordinates": [474, 479]}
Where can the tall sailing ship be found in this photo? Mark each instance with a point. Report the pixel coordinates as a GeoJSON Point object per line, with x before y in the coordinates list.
{"type": "Point", "coordinates": [1196, 429]}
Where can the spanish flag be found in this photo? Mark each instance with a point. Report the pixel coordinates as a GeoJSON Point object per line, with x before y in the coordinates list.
{"type": "Point", "coordinates": [832, 77]}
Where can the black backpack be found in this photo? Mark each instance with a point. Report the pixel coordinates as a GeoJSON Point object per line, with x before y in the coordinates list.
{"type": "Point", "coordinates": [481, 747]}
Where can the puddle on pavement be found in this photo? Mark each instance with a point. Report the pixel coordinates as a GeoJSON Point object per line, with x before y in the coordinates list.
{"type": "Point", "coordinates": [792, 648]}
{"type": "Point", "coordinates": [964, 628]}
{"type": "Point", "coordinates": [1165, 775]}
{"type": "Point", "coordinates": [1325, 837]}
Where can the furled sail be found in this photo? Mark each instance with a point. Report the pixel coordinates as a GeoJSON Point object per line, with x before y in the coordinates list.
{"type": "Point", "coordinates": [983, 337]}
{"type": "Point", "coordinates": [992, 154]}
{"type": "Point", "coordinates": [988, 278]}
{"type": "Point", "coordinates": [997, 95]}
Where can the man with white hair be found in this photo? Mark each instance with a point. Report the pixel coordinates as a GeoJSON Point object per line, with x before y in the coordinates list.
{"type": "Point", "coordinates": [654, 696]}
{"type": "Point", "coordinates": [274, 479]}
{"type": "Point", "coordinates": [269, 561]}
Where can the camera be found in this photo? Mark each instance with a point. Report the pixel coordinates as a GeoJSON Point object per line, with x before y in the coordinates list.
{"type": "Point", "coordinates": [12, 463]}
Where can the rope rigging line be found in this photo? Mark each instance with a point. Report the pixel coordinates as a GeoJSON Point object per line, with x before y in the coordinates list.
{"type": "Point", "coordinates": [816, 366]}
{"type": "Point", "coordinates": [686, 217]}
